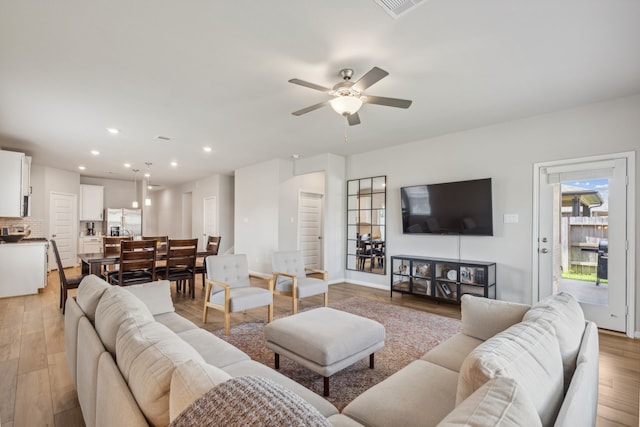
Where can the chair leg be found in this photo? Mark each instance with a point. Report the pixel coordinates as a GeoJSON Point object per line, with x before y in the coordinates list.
{"type": "Point", "coordinates": [270, 313]}
{"type": "Point", "coordinates": [204, 314]}
{"type": "Point", "coordinates": [294, 305]}
{"type": "Point", "coordinates": [64, 300]}
{"type": "Point", "coordinates": [326, 299]}
{"type": "Point", "coordinates": [227, 322]}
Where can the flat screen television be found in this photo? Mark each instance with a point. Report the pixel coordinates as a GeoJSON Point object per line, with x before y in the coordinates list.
{"type": "Point", "coordinates": [462, 208]}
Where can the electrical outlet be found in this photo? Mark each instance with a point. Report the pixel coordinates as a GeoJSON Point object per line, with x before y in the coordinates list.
{"type": "Point", "coordinates": [510, 218]}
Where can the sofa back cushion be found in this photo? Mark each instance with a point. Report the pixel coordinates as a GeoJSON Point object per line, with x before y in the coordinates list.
{"type": "Point", "coordinates": [527, 352]}
{"type": "Point", "coordinates": [565, 315]}
{"type": "Point", "coordinates": [155, 295]}
{"type": "Point", "coordinates": [116, 307]}
{"type": "Point", "coordinates": [482, 318]}
{"type": "Point", "coordinates": [147, 354]}
{"type": "Point", "coordinates": [89, 293]}
{"type": "Point", "coordinates": [500, 402]}
{"type": "Point", "coordinates": [189, 381]}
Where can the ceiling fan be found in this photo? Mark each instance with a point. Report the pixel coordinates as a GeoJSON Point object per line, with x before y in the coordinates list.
{"type": "Point", "coordinates": [348, 96]}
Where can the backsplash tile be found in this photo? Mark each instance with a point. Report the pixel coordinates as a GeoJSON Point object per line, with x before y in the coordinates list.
{"type": "Point", "coordinates": [35, 225]}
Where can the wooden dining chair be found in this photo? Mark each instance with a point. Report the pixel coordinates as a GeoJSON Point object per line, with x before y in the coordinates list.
{"type": "Point", "coordinates": [181, 263]}
{"type": "Point", "coordinates": [111, 248]}
{"type": "Point", "coordinates": [137, 263]}
{"type": "Point", "coordinates": [213, 246]}
{"type": "Point", "coordinates": [161, 243]}
{"type": "Point", "coordinates": [66, 283]}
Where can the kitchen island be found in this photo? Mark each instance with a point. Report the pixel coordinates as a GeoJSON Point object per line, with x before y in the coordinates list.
{"type": "Point", "coordinates": [23, 267]}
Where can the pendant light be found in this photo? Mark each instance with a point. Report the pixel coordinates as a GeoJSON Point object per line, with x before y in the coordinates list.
{"type": "Point", "coordinates": [147, 200]}
{"type": "Point", "coordinates": [134, 204]}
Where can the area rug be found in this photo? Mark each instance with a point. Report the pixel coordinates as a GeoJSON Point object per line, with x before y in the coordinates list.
{"type": "Point", "coordinates": [409, 335]}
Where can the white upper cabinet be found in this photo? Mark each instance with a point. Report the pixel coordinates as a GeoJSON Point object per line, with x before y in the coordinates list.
{"type": "Point", "coordinates": [12, 200]}
{"type": "Point", "coordinates": [91, 202]}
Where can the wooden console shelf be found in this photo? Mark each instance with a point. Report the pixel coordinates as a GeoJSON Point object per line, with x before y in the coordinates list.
{"type": "Point", "coordinates": [441, 278]}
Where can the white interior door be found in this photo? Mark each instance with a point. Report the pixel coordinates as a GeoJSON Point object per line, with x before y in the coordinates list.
{"type": "Point", "coordinates": [210, 215]}
{"type": "Point", "coordinates": [310, 228]}
{"type": "Point", "coordinates": [581, 205]}
{"type": "Point", "coordinates": [63, 227]}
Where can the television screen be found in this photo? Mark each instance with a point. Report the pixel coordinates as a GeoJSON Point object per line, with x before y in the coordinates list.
{"type": "Point", "coordinates": [462, 207]}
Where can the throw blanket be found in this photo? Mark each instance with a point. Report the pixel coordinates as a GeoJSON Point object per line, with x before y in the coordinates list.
{"type": "Point", "coordinates": [250, 401]}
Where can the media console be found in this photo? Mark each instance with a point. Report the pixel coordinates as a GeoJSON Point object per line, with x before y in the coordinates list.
{"type": "Point", "coordinates": [442, 278]}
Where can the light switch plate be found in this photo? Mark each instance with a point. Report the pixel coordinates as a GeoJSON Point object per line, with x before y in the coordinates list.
{"type": "Point", "coordinates": [510, 218]}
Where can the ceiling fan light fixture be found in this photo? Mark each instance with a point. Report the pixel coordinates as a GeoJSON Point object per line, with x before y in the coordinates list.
{"type": "Point", "coordinates": [346, 105]}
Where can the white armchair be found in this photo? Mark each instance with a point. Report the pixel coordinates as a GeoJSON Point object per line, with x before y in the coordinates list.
{"type": "Point", "coordinates": [290, 278]}
{"type": "Point", "coordinates": [229, 288]}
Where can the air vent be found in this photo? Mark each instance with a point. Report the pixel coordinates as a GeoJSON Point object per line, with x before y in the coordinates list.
{"type": "Point", "coordinates": [163, 138]}
{"type": "Point", "coordinates": [397, 8]}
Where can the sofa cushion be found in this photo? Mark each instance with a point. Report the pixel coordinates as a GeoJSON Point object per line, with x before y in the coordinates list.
{"type": "Point", "coordinates": [451, 353]}
{"type": "Point", "coordinates": [482, 318]}
{"type": "Point", "coordinates": [115, 307]}
{"type": "Point", "coordinates": [564, 313]}
{"type": "Point", "coordinates": [89, 293]}
{"type": "Point", "coordinates": [175, 322]}
{"type": "Point", "coordinates": [421, 394]}
{"type": "Point", "coordinates": [189, 381]}
{"type": "Point", "coordinates": [580, 404]}
{"type": "Point", "coordinates": [527, 352]}
{"type": "Point", "coordinates": [215, 351]}
{"type": "Point", "coordinates": [155, 295]}
{"type": "Point", "coordinates": [500, 402]}
{"type": "Point", "coordinates": [147, 354]}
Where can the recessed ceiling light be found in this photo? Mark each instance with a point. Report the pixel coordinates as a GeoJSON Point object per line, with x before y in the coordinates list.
{"type": "Point", "coordinates": [81, 168]}
{"type": "Point", "coordinates": [207, 149]}
{"type": "Point", "coordinates": [296, 156]}
{"type": "Point", "coordinates": [174, 164]}
{"type": "Point", "coordinates": [95, 152]}
{"type": "Point", "coordinates": [127, 165]}
{"type": "Point", "coordinates": [147, 175]}
{"type": "Point", "coordinates": [113, 131]}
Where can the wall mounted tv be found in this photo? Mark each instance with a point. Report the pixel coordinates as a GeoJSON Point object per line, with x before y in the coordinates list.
{"type": "Point", "coordinates": [461, 208]}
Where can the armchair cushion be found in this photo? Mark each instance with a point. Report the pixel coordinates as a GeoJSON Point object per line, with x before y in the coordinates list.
{"type": "Point", "coordinates": [307, 286]}
{"type": "Point", "coordinates": [230, 269]}
{"type": "Point", "coordinates": [290, 262]}
{"type": "Point", "coordinates": [244, 298]}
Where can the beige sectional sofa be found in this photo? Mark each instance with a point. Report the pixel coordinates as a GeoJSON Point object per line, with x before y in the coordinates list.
{"type": "Point", "coordinates": [136, 362]}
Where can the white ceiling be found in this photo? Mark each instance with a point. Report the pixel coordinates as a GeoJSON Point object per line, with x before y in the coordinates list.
{"type": "Point", "coordinates": [215, 73]}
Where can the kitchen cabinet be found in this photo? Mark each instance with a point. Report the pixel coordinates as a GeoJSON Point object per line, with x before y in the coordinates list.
{"type": "Point", "coordinates": [89, 244]}
{"type": "Point", "coordinates": [91, 202]}
{"type": "Point", "coordinates": [24, 268]}
{"type": "Point", "coordinates": [15, 190]}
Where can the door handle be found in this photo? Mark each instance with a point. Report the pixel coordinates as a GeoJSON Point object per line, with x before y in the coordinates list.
{"type": "Point", "coordinates": [544, 250]}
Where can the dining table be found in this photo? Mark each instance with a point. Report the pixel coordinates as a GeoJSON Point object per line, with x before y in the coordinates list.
{"type": "Point", "coordinates": [92, 262]}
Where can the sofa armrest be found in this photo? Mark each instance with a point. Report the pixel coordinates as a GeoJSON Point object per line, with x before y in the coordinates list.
{"type": "Point", "coordinates": [482, 318]}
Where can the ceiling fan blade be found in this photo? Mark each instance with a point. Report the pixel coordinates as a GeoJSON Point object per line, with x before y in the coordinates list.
{"type": "Point", "coordinates": [389, 102]}
{"type": "Point", "coordinates": [310, 85]}
{"type": "Point", "coordinates": [372, 77]}
{"type": "Point", "coordinates": [311, 108]}
{"type": "Point", "coordinates": [353, 119]}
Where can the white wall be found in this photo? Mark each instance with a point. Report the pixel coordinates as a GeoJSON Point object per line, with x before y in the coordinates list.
{"type": "Point", "coordinates": [505, 152]}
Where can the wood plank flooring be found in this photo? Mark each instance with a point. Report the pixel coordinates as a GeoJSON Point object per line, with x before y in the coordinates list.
{"type": "Point", "coordinates": [36, 388]}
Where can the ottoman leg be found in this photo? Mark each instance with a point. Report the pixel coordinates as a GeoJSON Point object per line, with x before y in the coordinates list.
{"type": "Point", "coordinates": [371, 361]}
{"type": "Point", "coordinates": [277, 361]}
{"type": "Point", "coordinates": [326, 386]}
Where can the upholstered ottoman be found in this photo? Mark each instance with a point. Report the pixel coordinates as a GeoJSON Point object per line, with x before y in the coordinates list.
{"type": "Point", "coordinates": [324, 340]}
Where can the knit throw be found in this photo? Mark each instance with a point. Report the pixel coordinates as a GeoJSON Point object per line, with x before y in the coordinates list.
{"type": "Point", "coordinates": [250, 401]}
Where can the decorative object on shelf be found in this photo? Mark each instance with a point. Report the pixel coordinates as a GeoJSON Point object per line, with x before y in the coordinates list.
{"type": "Point", "coordinates": [423, 270]}
{"type": "Point", "coordinates": [452, 275]}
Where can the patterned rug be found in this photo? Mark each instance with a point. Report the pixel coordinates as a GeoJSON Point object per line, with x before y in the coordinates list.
{"type": "Point", "coordinates": [409, 335]}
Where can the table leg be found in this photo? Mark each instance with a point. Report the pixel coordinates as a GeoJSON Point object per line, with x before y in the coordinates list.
{"type": "Point", "coordinates": [326, 386]}
{"type": "Point", "coordinates": [371, 361]}
{"type": "Point", "coordinates": [277, 361]}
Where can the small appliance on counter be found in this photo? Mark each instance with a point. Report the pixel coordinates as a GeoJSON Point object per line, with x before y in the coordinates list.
{"type": "Point", "coordinates": [91, 229]}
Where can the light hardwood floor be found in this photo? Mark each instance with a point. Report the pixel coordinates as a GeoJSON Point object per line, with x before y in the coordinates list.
{"type": "Point", "coordinates": [36, 388]}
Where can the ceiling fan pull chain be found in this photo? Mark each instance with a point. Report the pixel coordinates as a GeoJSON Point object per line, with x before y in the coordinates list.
{"type": "Point", "coordinates": [346, 127]}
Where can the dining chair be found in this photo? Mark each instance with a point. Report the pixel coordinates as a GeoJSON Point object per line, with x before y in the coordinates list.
{"type": "Point", "coordinates": [364, 250]}
{"type": "Point", "coordinates": [229, 288]}
{"type": "Point", "coordinates": [66, 283]}
{"type": "Point", "coordinates": [180, 264]}
{"type": "Point", "coordinates": [161, 243]}
{"type": "Point", "coordinates": [137, 263]}
{"type": "Point", "coordinates": [111, 248]}
{"type": "Point", "coordinates": [213, 246]}
{"type": "Point", "coordinates": [290, 278]}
